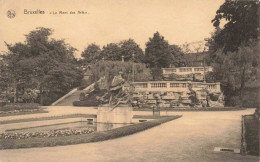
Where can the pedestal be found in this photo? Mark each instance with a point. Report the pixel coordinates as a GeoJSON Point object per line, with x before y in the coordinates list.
{"type": "Point", "coordinates": [120, 114]}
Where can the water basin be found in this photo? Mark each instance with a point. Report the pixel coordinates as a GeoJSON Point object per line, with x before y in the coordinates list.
{"type": "Point", "coordinates": [80, 124]}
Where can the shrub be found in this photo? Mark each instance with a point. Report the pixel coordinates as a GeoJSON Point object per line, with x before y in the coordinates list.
{"type": "Point", "coordinates": [82, 96]}
{"type": "Point", "coordinates": [86, 103]}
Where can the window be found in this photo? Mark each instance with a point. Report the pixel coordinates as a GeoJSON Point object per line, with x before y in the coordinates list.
{"type": "Point", "coordinates": [184, 85]}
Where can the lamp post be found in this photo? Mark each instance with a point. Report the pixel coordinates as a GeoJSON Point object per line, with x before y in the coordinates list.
{"type": "Point", "coordinates": [133, 67]}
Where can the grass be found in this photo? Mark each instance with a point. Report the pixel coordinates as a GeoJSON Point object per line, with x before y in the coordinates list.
{"type": "Point", "coordinates": [24, 113]}
{"type": "Point", "coordinates": [46, 118]}
{"type": "Point", "coordinates": [193, 109]}
{"type": "Point", "coordinates": [252, 135]}
{"type": "Point", "coordinates": [85, 138]}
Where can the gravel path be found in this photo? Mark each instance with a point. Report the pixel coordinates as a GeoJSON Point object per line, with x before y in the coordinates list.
{"type": "Point", "coordinates": [190, 138]}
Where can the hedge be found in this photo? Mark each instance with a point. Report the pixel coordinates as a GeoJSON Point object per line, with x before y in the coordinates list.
{"type": "Point", "coordinates": [19, 106]}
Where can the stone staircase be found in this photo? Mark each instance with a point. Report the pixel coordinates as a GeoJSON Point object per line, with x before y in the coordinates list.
{"type": "Point", "coordinates": [68, 101]}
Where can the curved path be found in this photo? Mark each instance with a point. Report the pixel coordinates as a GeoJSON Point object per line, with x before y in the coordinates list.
{"type": "Point", "coordinates": [190, 138]}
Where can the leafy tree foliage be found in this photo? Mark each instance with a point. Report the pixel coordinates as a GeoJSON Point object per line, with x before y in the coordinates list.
{"type": "Point", "coordinates": [177, 55]}
{"type": "Point", "coordinates": [234, 49]}
{"type": "Point", "coordinates": [111, 52]}
{"type": "Point", "coordinates": [237, 69]}
{"type": "Point", "coordinates": [112, 68]}
{"type": "Point", "coordinates": [128, 48]}
{"type": "Point", "coordinates": [91, 53]}
{"type": "Point", "coordinates": [242, 24]}
{"type": "Point", "coordinates": [42, 64]}
{"type": "Point", "coordinates": [157, 52]}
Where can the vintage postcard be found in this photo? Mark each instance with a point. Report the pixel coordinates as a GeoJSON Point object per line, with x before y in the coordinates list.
{"type": "Point", "coordinates": [129, 80]}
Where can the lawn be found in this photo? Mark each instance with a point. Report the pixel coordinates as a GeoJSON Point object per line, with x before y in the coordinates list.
{"type": "Point", "coordinates": [83, 138]}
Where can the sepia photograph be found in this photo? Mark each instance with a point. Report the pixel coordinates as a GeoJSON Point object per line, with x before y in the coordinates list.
{"type": "Point", "coordinates": [129, 80]}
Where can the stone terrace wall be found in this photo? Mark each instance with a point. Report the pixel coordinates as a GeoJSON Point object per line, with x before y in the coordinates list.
{"type": "Point", "coordinates": [198, 98]}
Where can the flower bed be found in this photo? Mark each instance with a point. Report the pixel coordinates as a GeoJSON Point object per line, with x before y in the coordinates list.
{"type": "Point", "coordinates": [51, 133]}
{"type": "Point", "coordinates": [82, 138]}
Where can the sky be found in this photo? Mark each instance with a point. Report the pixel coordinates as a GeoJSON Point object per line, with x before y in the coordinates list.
{"type": "Point", "coordinates": [109, 21]}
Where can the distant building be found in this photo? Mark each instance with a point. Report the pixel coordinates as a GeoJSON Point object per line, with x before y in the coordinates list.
{"type": "Point", "coordinates": [187, 70]}
{"type": "Point", "coordinates": [196, 59]}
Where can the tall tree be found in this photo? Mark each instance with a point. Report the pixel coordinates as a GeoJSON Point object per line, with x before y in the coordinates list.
{"type": "Point", "coordinates": [177, 55]}
{"type": "Point", "coordinates": [91, 53]}
{"type": "Point", "coordinates": [111, 52]}
{"type": "Point", "coordinates": [236, 70]}
{"type": "Point", "coordinates": [130, 47]}
{"type": "Point", "coordinates": [157, 52]}
{"type": "Point", "coordinates": [242, 23]}
{"type": "Point", "coordinates": [44, 64]}
{"type": "Point", "coordinates": [234, 49]}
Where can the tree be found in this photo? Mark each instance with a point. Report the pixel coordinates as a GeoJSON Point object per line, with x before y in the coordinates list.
{"type": "Point", "coordinates": [157, 52]}
{"type": "Point", "coordinates": [234, 49]}
{"type": "Point", "coordinates": [128, 48]}
{"type": "Point", "coordinates": [242, 24]}
{"type": "Point", "coordinates": [43, 64]}
{"type": "Point", "coordinates": [237, 69]}
{"type": "Point", "coordinates": [211, 43]}
{"type": "Point", "coordinates": [91, 53]}
{"type": "Point", "coordinates": [111, 52]}
{"type": "Point", "coordinates": [112, 68]}
{"type": "Point", "coordinates": [177, 55]}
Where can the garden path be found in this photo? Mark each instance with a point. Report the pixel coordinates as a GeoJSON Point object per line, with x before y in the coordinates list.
{"type": "Point", "coordinates": [190, 138]}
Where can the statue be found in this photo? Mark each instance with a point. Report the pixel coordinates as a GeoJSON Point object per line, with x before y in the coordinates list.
{"type": "Point", "coordinates": [117, 95]}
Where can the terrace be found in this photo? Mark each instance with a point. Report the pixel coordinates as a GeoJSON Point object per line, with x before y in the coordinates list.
{"type": "Point", "coordinates": [175, 86]}
{"type": "Point", "coordinates": [186, 70]}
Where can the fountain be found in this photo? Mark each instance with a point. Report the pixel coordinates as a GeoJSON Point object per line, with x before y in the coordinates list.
{"type": "Point", "coordinates": [119, 109]}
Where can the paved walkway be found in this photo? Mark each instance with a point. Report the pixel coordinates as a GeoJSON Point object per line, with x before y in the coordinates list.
{"type": "Point", "coordinates": [55, 111]}
{"type": "Point", "coordinates": [190, 138]}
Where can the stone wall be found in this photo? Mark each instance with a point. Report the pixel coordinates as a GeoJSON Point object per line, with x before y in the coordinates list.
{"type": "Point", "coordinates": [198, 98]}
